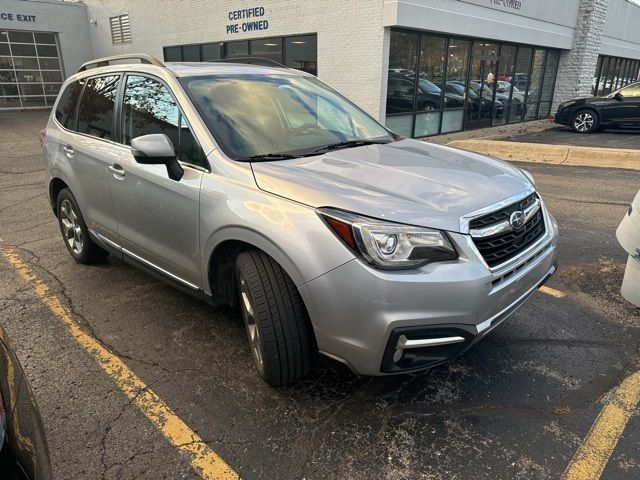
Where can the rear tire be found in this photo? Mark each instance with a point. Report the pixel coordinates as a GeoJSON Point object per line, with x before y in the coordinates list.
{"type": "Point", "coordinates": [584, 121]}
{"type": "Point", "coordinates": [75, 232]}
{"type": "Point", "coordinates": [275, 319]}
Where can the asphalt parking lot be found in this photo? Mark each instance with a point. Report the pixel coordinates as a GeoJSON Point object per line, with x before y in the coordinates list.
{"type": "Point", "coordinates": [518, 405]}
{"type": "Point", "coordinates": [628, 137]}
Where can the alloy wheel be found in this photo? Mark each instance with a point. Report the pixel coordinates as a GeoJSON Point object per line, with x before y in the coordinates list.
{"type": "Point", "coordinates": [584, 122]}
{"type": "Point", "coordinates": [251, 325]}
{"type": "Point", "coordinates": [71, 229]}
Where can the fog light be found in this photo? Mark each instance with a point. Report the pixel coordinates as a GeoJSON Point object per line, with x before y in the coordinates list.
{"type": "Point", "coordinates": [397, 355]}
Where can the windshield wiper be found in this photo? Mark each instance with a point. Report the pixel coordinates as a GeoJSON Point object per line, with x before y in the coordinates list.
{"type": "Point", "coordinates": [348, 144]}
{"type": "Point", "coordinates": [268, 156]}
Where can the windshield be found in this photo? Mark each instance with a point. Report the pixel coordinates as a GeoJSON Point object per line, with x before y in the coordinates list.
{"type": "Point", "coordinates": [264, 115]}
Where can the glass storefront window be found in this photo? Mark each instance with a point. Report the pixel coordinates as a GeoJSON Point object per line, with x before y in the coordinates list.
{"type": "Point", "coordinates": [506, 93]}
{"type": "Point", "coordinates": [210, 52]}
{"type": "Point", "coordinates": [548, 83]}
{"type": "Point", "coordinates": [613, 73]}
{"type": "Point", "coordinates": [457, 60]}
{"type": "Point", "coordinates": [401, 124]}
{"type": "Point", "coordinates": [301, 52]}
{"type": "Point", "coordinates": [191, 53]}
{"type": "Point", "coordinates": [535, 86]}
{"type": "Point", "coordinates": [237, 49]}
{"type": "Point", "coordinates": [452, 121]}
{"type": "Point", "coordinates": [172, 54]}
{"type": "Point", "coordinates": [270, 48]}
{"type": "Point", "coordinates": [484, 48]}
{"type": "Point", "coordinates": [480, 83]}
{"type": "Point", "coordinates": [431, 74]}
{"type": "Point", "coordinates": [298, 51]}
{"type": "Point", "coordinates": [427, 124]}
{"type": "Point", "coordinates": [401, 85]}
{"type": "Point", "coordinates": [521, 82]}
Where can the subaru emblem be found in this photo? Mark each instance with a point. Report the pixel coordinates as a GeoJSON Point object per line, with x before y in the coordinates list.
{"type": "Point", "coordinates": [517, 220]}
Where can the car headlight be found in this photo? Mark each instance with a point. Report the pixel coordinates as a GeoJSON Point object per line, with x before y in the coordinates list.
{"type": "Point", "coordinates": [567, 104]}
{"type": "Point", "coordinates": [388, 245]}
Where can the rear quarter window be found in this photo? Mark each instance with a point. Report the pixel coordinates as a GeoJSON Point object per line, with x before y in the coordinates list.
{"type": "Point", "coordinates": [66, 106]}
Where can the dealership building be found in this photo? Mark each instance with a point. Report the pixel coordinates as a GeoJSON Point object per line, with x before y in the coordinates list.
{"type": "Point", "coordinates": [423, 67]}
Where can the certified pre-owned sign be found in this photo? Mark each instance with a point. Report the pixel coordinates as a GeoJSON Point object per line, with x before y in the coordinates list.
{"type": "Point", "coordinates": [247, 20]}
{"type": "Point", "coordinates": [514, 4]}
{"type": "Point", "coordinates": [17, 17]}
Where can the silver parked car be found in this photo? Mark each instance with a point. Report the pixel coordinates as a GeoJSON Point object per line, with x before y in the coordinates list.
{"type": "Point", "coordinates": [263, 187]}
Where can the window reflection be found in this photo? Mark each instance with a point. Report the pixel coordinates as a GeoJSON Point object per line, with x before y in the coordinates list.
{"type": "Point", "coordinates": [506, 93]}
{"type": "Point", "coordinates": [535, 86]}
{"type": "Point", "coordinates": [431, 74]}
{"type": "Point", "coordinates": [401, 85]}
{"type": "Point", "coordinates": [299, 52]}
{"type": "Point", "coordinates": [147, 108]}
{"type": "Point", "coordinates": [95, 117]}
{"type": "Point", "coordinates": [613, 73]}
{"type": "Point", "coordinates": [481, 83]}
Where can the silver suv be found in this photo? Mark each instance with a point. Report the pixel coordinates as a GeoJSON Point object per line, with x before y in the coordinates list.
{"type": "Point", "coordinates": [264, 188]}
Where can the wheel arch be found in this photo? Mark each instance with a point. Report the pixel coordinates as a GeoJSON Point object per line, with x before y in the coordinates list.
{"type": "Point", "coordinates": [582, 108]}
{"type": "Point", "coordinates": [55, 187]}
{"type": "Point", "coordinates": [220, 264]}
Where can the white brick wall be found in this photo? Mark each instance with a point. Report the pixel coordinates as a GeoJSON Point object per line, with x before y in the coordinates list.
{"type": "Point", "coordinates": [350, 34]}
{"type": "Point", "coordinates": [578, 65]}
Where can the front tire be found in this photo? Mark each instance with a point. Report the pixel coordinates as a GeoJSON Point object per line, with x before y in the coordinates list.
{"type": "Point", "coordinates": [275, 319]}
{"type": "Point", "coordinates": [75, 232]}
{"type": "Point", "coordinates": [584, 121]}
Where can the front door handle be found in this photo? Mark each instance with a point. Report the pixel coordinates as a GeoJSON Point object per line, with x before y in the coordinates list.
{"type": "Point", "coordinates": [117, 170]}
{"type": "Point", "coordinates": [68, 150]}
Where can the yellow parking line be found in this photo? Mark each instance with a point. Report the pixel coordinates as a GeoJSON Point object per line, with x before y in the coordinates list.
{"type": "Point", "coordinates": [552, 291]}
{"type": "Point", "coordinates": [203, 460]}
{"type": "Point", "coordinates": [593, 455]}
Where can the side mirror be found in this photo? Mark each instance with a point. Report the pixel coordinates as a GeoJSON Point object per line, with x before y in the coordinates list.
{"type": "Point", "coordinates": [157, 149]}
{"type": "Point", "coordinates": [619, 97]}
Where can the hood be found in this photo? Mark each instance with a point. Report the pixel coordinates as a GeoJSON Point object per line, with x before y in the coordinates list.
{"type": "Point", "coordinates": [408, 181]}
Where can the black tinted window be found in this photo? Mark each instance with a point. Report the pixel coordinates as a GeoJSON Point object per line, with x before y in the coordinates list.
{"type": "Point", "coordinates": [96, 107]}
{"type": "Point", "coordinates": [148, 107]}
{"type": "Point", "coordinates": [65, 109]}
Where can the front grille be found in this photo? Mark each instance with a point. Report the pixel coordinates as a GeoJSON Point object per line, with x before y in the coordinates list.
{"type": "Point", "coordinates": [499, 248]}
{"type": "Point", "coordinates": [504, 214]}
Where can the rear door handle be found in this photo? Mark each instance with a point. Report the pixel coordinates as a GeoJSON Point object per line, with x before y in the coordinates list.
{"type": "Point", "coordinates": [68, 150]}
{"type": "Point", "coordinates": [117, 170]}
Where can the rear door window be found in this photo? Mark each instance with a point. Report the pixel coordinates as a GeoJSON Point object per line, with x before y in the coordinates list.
{"type": "Point", "coordinates": [148, 107]}
{"type": "Point", "coordinates": [96, 115]}
{"type": "Point", "coordinates": [66, 106]}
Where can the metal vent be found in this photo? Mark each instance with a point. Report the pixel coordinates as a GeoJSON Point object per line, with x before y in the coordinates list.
{"type": "Point", "coordinates": [120, 29]}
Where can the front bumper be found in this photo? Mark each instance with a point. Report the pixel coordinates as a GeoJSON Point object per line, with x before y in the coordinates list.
{"type": "Point", "coordinates": [563, 116]}
{"type": "Point", "coordinates": [359, 313]}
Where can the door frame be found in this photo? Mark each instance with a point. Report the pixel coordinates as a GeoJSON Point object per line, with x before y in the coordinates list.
{"type": "Point", "coordinates": [477, 124]}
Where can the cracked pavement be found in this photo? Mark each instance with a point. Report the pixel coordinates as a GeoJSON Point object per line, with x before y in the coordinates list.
{"type": "Point", "coordinates": [515, 406]}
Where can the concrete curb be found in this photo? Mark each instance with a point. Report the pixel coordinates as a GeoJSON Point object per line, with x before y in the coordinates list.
{"type": "Point", "coordinates": [554, 154]}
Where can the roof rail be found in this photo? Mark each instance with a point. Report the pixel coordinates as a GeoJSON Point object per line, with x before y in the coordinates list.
{"type": "Point", "coordinates": [105, 61]}
{"type": "Point", "coordinates": [264, 62]}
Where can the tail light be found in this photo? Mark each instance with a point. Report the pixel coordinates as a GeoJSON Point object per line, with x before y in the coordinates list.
{"type": "Point", "coordinates": [42, 136]}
